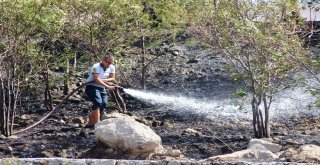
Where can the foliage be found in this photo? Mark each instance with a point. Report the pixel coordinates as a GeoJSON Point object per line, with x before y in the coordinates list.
{"type": "Point", "coordinates": [261, 42]}
{"type": "Point", "coordinates": [155, 23]}
{"type": "Point", "coordinates": [23, 25]}
{"type": "Point", "coordinates": [39, 36]}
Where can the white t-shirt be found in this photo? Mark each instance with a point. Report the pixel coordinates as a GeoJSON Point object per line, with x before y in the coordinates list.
{"type": "Point", "coordinates": [103, 73]}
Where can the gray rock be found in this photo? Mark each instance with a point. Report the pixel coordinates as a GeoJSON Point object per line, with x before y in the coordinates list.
{"type": "Point", "coordinates": [268, 145]}
{"type": "Point", "coordinates": [127, 135]}
{"type": "Point", "coordinates": [315, 142]}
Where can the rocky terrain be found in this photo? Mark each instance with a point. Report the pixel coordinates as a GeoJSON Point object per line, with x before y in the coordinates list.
{"type": "Point", "coordinates": [195, 74]}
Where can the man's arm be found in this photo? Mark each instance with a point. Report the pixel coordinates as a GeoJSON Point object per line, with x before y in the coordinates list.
{"type": "Point", "coordinates": [111, 78]}
{"type": "Point", "coordinates": [98, 80]}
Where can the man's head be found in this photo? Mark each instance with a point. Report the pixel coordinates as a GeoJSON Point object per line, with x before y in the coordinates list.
{"type": "Point", "coordinates": [107, 60]}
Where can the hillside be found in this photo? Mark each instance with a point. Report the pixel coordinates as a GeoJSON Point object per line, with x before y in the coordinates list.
{"type": "Point", "coordinates": [201, 79]}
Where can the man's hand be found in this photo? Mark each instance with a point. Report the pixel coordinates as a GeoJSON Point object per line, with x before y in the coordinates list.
{"type": "Point", "coordinates": [111, 87]}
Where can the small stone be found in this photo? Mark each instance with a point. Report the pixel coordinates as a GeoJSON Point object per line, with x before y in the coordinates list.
{"type": "Point", "coordinates": [78, 120]}
{"type": "Point", "coordinates": [13, 137]}
{"type": "Point", "coordinates": [47, 154]}
{"type": "Point", "coordinates": [173, 153]}
{"type": "Point", "coordinates": [25, 117]}
{"type": "Point", "coordinates": [62, 121]}
{"type": "Point", "coordinates": [83, 134]}
{"type": "Point", "coordinates": [108, 151]}
{"type": "Point", "coordinates": [190, 130]}
{"type": "Point", "coordinates": [292, 142]}
{"type": "Point", "coordinates": [156, 123]}
{"type": "Point", "coordinates": [315, 142]}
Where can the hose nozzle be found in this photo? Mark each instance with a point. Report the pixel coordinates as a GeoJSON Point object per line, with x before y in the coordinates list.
{"type": "Point", "coordinates": [120, 88]}
{"type": "Point", "coordinates": [117, 86]}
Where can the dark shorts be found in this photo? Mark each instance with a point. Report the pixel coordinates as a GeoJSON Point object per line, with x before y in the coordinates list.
{"type": "Point", "coordinates": [98, 96]}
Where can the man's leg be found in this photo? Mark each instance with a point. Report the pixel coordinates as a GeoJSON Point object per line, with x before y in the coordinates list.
{"type": "Point", "coordinates": [94, 95]}
{"type": "Point", "coordinates": [94, 117]}
{"type": "Point", "coordinates": [103, 107]}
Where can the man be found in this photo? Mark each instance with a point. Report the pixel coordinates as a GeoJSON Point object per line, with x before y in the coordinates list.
{"type": "Point", "coordinates": [100, 74]}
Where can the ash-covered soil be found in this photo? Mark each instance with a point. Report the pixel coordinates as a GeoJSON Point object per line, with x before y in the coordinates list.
{"type": "Point", "coordinates": [196, 136]}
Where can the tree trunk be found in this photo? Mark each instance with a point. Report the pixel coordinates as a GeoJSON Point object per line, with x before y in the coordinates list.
{"type": "Point", "coordinates": [66, 88]}
{"type": "Point", "coordinates": [74, 61]}
{"type": "Point", "coordinates": [14, 84]}
{"type": "Point", "coordinates": [9, 92]}
{"type": "Point", "coordinates": [215, 3]}
{"type": "Point", "coordinates": [47, 94]}
{"type": "Point", "coordinates": [261, 122]}
{"type": "Point", "coordinates": [254, 122]}
{"type": "Point", "coordinates": [262, 130]}
{"type": "Point", "coordinates": [8, 101]}
{"type": "Point", "coordinates": [258, 123]}
{"type": "Point", "coordinates": [2, 107]}
{"type": "Point", "coordinates": [143, 72]}
{"type": "Point", "coordinates": [255, 117]}
{"type": "Point", "coordinates": [267, 118]}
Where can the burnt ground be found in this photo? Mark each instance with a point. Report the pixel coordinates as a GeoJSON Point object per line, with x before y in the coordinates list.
{"type": "Point", "coordinates": [192, 73]}
{"type": "Point", "coordinates": [196, 136]}
{"type": "Point", "coordinates": [61, 136]}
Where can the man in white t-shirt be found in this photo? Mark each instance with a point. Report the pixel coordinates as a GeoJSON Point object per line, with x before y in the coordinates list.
{"type": "Point", "coordinates": [97, 89]}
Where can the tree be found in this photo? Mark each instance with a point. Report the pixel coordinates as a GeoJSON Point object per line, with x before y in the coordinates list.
{"type": "Point", "coordinates": [155, 22]}
{"type": "Point", "coordinates": [262, 44]}
{"type": "Point", "coordinates": [94, 27]}
{"type": "Point", "coordinates": [21, 24]}
{"type": "Point", "coordinates": [36, 36]}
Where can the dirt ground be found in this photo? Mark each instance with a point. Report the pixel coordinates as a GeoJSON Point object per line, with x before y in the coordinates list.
{"type": "Point", "coordinates": [196, 136]}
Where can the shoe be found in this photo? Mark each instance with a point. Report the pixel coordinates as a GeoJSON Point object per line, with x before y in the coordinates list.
{"type": "Point", "coordinates": [89, 126]}
{"type": "Point", "coordinates": [103, 116]}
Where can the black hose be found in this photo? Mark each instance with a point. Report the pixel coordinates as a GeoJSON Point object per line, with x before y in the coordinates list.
{"type": "Point", "coordinates": [51, 112]}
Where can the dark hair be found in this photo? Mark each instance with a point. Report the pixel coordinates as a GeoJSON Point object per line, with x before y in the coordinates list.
{"type": "Point", "coordinates": [108, 56]}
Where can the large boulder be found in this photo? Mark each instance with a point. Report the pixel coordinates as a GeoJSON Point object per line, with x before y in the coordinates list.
{"type": "Point", "coordinates": [256, 152]}
{"type": "Point", "coordinates": [125, 134]}
{"type": "Point", "coordinates": [306, 153]}
{"type": "Point", "coordinates": [268, 145]}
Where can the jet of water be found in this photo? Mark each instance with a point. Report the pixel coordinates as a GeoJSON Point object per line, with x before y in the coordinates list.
{"type": "Point", "coordinates": [289, 102]}
{"type": "Point", "coordinates": [185, 104]}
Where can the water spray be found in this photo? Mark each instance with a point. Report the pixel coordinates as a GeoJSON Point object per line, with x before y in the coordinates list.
{"type": "Point", "coordinates": [187, 105]}
{"type": "Point", "coordinates": [283, 106]}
